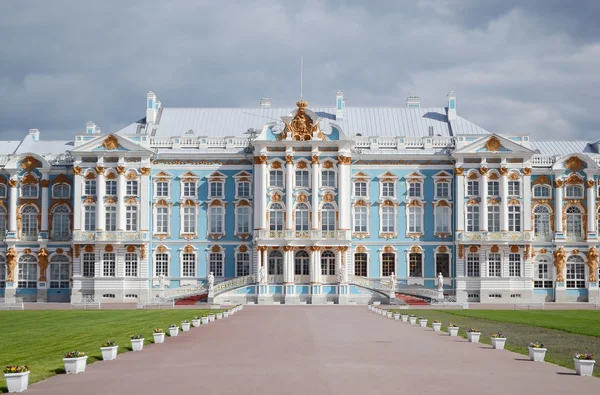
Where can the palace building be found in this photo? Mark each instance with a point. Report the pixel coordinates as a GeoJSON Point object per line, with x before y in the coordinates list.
{"type": "Point", "coordinates": [299, 205]}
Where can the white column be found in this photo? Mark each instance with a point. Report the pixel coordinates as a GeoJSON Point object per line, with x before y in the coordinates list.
{"type": "Point", "coordinates": [100, 189]}
{"type": "Point", "coordinates": [313, 260]}
{"type": "Point", "coordinates": [318, 265]}
{"type": "Point", "coordinates": [460, 197]}
{"type": "Point", "coordinates": [503, 200]}
{"type": "Point", "coordinates": [483, 190]}
{"type": "Point", "coordinates": [558, 206]}
{"type": "Point", "coordinates": [121, 192]}
{"type": "Point", "coordinates": [259, 262]}
{"type": "Point", "coordinates": [289, 188]}
{"type": "Point", "coordinates": [315, 193]}
{"type": "Point", "coordinates": [77, 185]}
{"type": "Point", "coordinates": [526, 193]}
{"type": "Point", "coordinates": [344, 192]}
{"type": "Point", "coordinates": [144, 207]}
{"type": "Point", "coordinates": [45, 204]}
{"type": "Point", "coordinates": [12, 206]}
{"type": "Point", "coordinates": [260, 188]}
{"type": "Point", "coordinates": [591, 205]}
{"type": "Point", "coordinates": [288, 265]}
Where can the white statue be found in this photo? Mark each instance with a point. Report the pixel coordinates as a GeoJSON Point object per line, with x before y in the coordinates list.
{"type": "Point", "coordinates": [161, 282]}
{"type": "Point", "coordinates": [211, 281]}
{"type": "Point", "coordinates": [393, 280]}
{"type": "Point", "coordinates": [341, 274]}
{"type": "Point", "coordinates": [263, 274]}
{"type": "Point", "coordinates": [440, 281]}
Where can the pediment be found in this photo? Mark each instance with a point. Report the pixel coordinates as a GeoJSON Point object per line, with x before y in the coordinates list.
{"type": "Point", "coordinates": [360, 174]}
{"type": "Point", "coordinates": [494, 144]}
{"type": "Point", "coordinates": [442, 174]}
{"type": "Point", "coordinates": [217, 174]}
{"type": "Point", "coordinates": [575, 163]}
{"type": "Point", "coordinates": [189, 174]}
{"type": "Point", "coordinates": [111, 143]}
{"type": "Point", "coordinates": [387, 174]}
{"type": "Point", "coordinates": [163, 174]}
{"type": "Point", "coordinates": [243, 174]}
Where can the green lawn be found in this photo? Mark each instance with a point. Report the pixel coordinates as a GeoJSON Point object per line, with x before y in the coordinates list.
{"type": "Point", "coordinates": [40, 338]}
{"type": "Point", "coordinates": [563, 332]}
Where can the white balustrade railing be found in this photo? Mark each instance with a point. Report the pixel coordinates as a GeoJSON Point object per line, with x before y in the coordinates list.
{"type": "Point", "coordinates": [542, 160]}
{"type": "Point", "coordinates": [305, 235]}
{"type": "Point", "coordinates": [198, 142]}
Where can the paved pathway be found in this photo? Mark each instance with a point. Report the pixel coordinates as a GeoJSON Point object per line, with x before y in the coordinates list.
{"type": "Point", "coordinates": [317, 350]}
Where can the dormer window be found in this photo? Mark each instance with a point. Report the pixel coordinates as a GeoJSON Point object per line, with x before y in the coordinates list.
{"type": "Point", "coordinates": [574, 191]}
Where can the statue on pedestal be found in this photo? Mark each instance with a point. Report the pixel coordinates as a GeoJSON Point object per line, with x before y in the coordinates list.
{"type": "Point", "coordinates": [263, 274]}
{"type": "Point", "coordinates": [440, 279]}
{"type": "Point", "coordinates": [161, 282]}
{"type": "Point", "coordinates": [211, 281]}
{"type": "Point", "coordinates": [393, 280]}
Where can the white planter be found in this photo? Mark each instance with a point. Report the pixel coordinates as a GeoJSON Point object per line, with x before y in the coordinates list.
{"type": "Point", "coordinates": [17, 382]}
{"type": "Point", "coordinates": [423, 323]}
{"type": "Point", "coordinates": [185, 326]}
{"type": "Point", "coordinates": [109, 353]}
{"type": "Point", "coordinates": [196, 323]}
{"type": "Point", "coordinates": [584, 367]}
{"type": "Point", "coordinates": [137, 344]}
{"type": "Point", "coordinates": [225, 314]}
{"type": "Point", "coordinates": [211, 317]}
{"type": "Point", "coordinates": [204, 320]}
{"type": "Point", "coordinates": [159, 337]}
{"type": "Point", "coordinates": [453, 330]}
{"type": "Point", "coordinates": [75, 365]}
{"type": "Point", "coordinates": [397, 316]}
{"type": "Point", "coordinates": [437, 326]}
{"type": "Point", "coordinates": [498, 343]}
{"type": "Point", "coordinates": [404, 318]}
{"type": "Point", "coordinates": [473, 337]}
{"type": "Point", "coordinates": [389, 314]}
{"type": "Point", "coordinates": [219, 316]}
{"type": "Point", "coordinates": [413, 320]}
{"type": "Point", "coordinates": [370, 307]}
{"type": "Point", "coordinates": [537, 354]}
{"type": "Point", "coordinates": [174, 331]}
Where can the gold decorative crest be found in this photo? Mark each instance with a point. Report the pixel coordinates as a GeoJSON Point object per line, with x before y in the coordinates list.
{"type": "Point", "coordinates": [111, 143]}
{"type": "Point", "coordinates": [574, 164]}
{"type": "Point", "coordinates": [493, 144]}
{"type": "Point", "coordinates": [301, 126]}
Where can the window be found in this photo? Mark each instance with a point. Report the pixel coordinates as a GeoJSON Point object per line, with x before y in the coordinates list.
{"type": "Point", "coordinates": [442, 219]}
{"type": "Point", "coordinates": [243, 189]}
{"type": "Point", "coordinates": [575, 272]}
{"type": "Point", "coordinates": [2, 222]}
{"type": "Point", "coordinates": [215, 218]}
{"type": "Point", "coordinates": [60, 223]}
{"type": "Point", "coordinates": [541, 191]}
{"type": "Point", "coordinates": [28, 273]}
{"type": "Point", "coordinates": [542, 273]}
{"type": "Point", "coordinates": [442, 190]}
{"type": "Point", "coordinates": [574, 191]}
{"type": "Point", "coordinates": [3, 191]}
{"type": "Point", "coordinates": [215, 263]}
{"type": "Point", "coordinates": [161, 264]}
{"type": "Point", "coordinates": [29, 222]}
{"type": "Point", "coordinates": [276, 178]}
{"type": "Point", "coordinates": [472, 218]}
{"type": "Point", "coordinates": [328, 217]}
{"type": "Point", "coordinates": [494, 265]}
{"type": "Point", "coordinates": [328, 178]}
{"type": "Point", "coordinates": [328, 263]}
{"type": "Point", "coordinates": [131, 219]}
{"type": "Point", "coordinates": [243, 219]}
{"type": "Point", "coordinates": [442, 264]}
{"type": "Point", "coordinates": [89, 263]}
{"type": "Point", "coordinates": [59, 191]}
{"type": "Point", "coordinates": [162, 220]}
{"type": "Point", "coordinates": [514, 265]}
{"type": "Point", "coordinates": [89, 220]}
{"type": "Point", "coordinates": [131, 264]}
{"type": "Point", "coordinates": [276, 263]}
{"type": "Point", "coordinates": [415, 215]}
{"type": "Point", "coordinates": [472, 188]}
{"type": "Point", "coordinates": [415, 265]}
{"type": "Point", "coordinates": [514, 188]}
{"type": "Point", "coordinates": [388, 190]}
{"type": "Point", "coordinates": [109, 264]}
{"type": "Point", "coordinates": [215, 189]}
{"type": "Point", "coordinates": [2, 272]}
{"type": "Point", "coordinates": [360, 219]}
{"type": "Point", "coordinates": [188, 263]}
{"type": "Point", "coordinates": [574, 227]}
{"type": "Point", "coordinates": [388, 223]}
{"type": "Point", "coordinates": [162, 189]}
{"type": "Point", "coordinates": [189, 189]}
{"type": "Point", "coordinates": [302, 178]}
{"type": "Point", "coordinates": [473, 264]}
{"type": "Point", "coordinates": [243, 264]}
{"type": "Point", "coordinates": [493, 218]}
{"type": "Point", "coordinates": [415, 189]}
{"type": "Point", "coordinates": [541, 221]}
{"type": "Point", "coordinates": [89, 188]}
{"type": "Point", "coordinates": [514, 218]}
{"type": "Point", "coordinates": [29, 191]}
{"type": "Point", "coordinates": [276, 217]}
{"type": "Point", "coordinates": [493, 188]}
{"type": "Point", "coordinates": [301, 217]}
{"type": "Point", "coordinates": [360, 264]}
{"type": "Point", "coordinates": [111, 188]}
{"type": "Point", "coordinates": [388, 264]}
{"type": "Point", "coordinates": [189, 220]}
{"type": "Point", "coordinates": [111, 218]}
{"type": "Point", "coordinates": [360, 189]}
{"type": "Point", "coordinates": [131, 188]}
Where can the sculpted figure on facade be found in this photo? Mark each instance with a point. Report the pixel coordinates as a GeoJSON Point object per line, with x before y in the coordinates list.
{"type": "Point", "coordinates": [560, 262]}
{"type": "Point", "coordinates": [592, 257]}
{"type": "Point", "coordinates": [11, 264]}
{"type": "Point", "coordinates": [263, 274]}
{"type": "Point", "coordinates": [43, 263]}
{"type": "Point", "coordinates": [393, 280]}
{"type": "Point", "coordinates": [211, 281]}
{"type": "Point", "coordinates": [440, 281]}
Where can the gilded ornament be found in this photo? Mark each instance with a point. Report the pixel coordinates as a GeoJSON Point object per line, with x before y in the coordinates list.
{"type": "Point", "coordinates": [59, 250]}
{"type": "Point", "coordinates": [493, 201]}
{"type": "Point", "coordinates": [344, 160]}
{"type": "Point", "coordinates": [44, 183]}
{"type": "Point", "coordinates": [100, 170]}
{"type": "Point", "coordinates": [89, 200]}
{"type": "Point", "coordinates": [288, 248]}
{"type": "Point", "coordinates": [90, 176]}
{"type": "Point", "coordinates": [302, 198]}
{"type": "Point", "coordinates": [42, 263]}
{"type": "Point", "coordinates": [109, 248]}
{"type": "Point", "coordinates": [575, 251]}
{"type": "Point", "coordinates": [13, 183]}
{"type": "Point", "coordinates": [461, 251]}
{"type": "Point", "coordinates": [472, 202]}
{"type": "Point", "coordinates": [473, 176]}
{"type": "Point", "coordinates": [145, 171]}
{"type": "Point", "coordinates": [574, 164]}
{"type": "Point", "coordinates": [275, 165]}
{"type": "Point", "coordinates": [388, 249]}
{"type": "Point", "coordinates": [328, 164]}
{"type": "Point", "coordinates": [415, 250]}
{"type": "Point", "coordinates": [29, 178]}
{"type": "Point", "coordinates": [289, 160]}
{"type": "Point", "coordinates": [459, 171]}
{"type": "Point", "coordinates": [11, 264]}
{"type": "Point", "coordinates": [131, 176]}
{"type": "Point", "coordinates": [130, 248]}
{"type": "Point", "coordinates": [514, 176]}
{"type": "Point", "coordinates": [442, 203]}
{"type": "Point", "coordinates": [188, 249]}
{"type": "Point", "coordinates": [483, 170]}
{"type": "Point", "coordinates": [243, 203]}
{"type": "Point", "coordinates": [362, 203]}
{"type": "Point", "coordinates": [527, 171]}
{"type": "Point", "coordinates": [361, 249]}
{"type": "Point", "coordinates": [574, 179]}
{"type": "Point", "coordinates": [314, 159]}
{"type": "Point", "coordinates": [243, 248]}
{"type": "Point", "coordinates": [494, 248]}
{"type": "Point", "coordinates": [514, 249]}
{"type": "Point", "coordinates": [473, 248]}
{"type": "Point", "coordinates": [503, 171]}
{"type": "Point", "coordinates": [276, 197]}
{"type": "Point", "coordinates": [77, 250]}
{"type": "Point", "coordinates": [120, 170]}
{"type": "Point", "coordinates": [592, 257]}
{"type": "Point", "coordinates": [442, 249]}
{"type": "Point", "coordinates": [541, 180]}
{"type": "Point", "coordinates": [301, 165]}
{"type": "Point", "coordinates": [111, 143]}
{"type": "Point", "coordinates": [29, 163]}
{"type": "Point", "coordinates": [342, 249]}
{"type": "Point", "coordinates": [543, 251]}
{"type": "Point", "coordinates": [558, 183]}
{"type": "Point", "coordinates": [89, 248]}
{"type": "Point", "coordinates": [493, 176]}
{"type": "Point", "coordinates": [161, 249]}
{"type": "Point", "coordinates": [301, 126]}
{"type": "Point", "coordinates": [215, 248]}
{"type": "Point", "coordinates": [328, 197]}
{"type": "Point", "coordinates": [514, 202]}
{"type": "Point", "coordinates": [110, 200]}
{"type": "Point", "coordinates": [413, 203]}
{"type": "Point", "coordinates": [143, 251]}
{"type": "Point", "coordinates": [590, 183]}
{"type": "Point", "coordinates": [493, 144]}
{"type": "Point", "coordinates": [560, 261]}
{"type": "Point", "coordinates": [77, 170]}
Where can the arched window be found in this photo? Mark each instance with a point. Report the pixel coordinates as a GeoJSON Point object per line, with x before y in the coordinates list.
{"type": "Point", "coordinates": [388, 264]}
{"type": "Point", "coordinates": [61, 191]}
{"type": "Point", "coordinates": [276, 263]}
{"type": "Point", "coordinates": [541, 221]}
{"type": "Point", "coordinates": [575, 272]}
{"type": "Point", "coordinates": [60, 223]}
{"type": "Point", "coordinates": [301, 217]}
{"type": "Point", "coordinates": [2, 271]}
{"type": "Point", "coordinates": [301, 263]}
{"type": "Point", "coordinates": [472, 218]}
{"type": "Point", "coordinates": [328, 217]}
{"type": "Point", "coordinates": [574, 223]}
{"type": "Point", "coordinates": [360, 264]}
{"type": "Point", "coordinates": [574, 192]}
{"type": "Point", "coordinates": [2, 222]}
{"type": "Point", "coordinates": [542, 277]}
{"type": "Point", "coordinates": [276, 217]}
{"type": "Point", "coordinates": [415, 265]}
{"type": "Point", "coordinates": [59, 271]}
{"type": "Point", "coordinates": [442, 219]}
{"type": "Point", "coordinates": [29, 222]}
{"type": "Point", "coordinates": [28, 271]}
{"type": "Point", "coordinates": [29, 191]}
{"type": "Point", "coordinates": [541, 191]}
{"type": "Point", "coordinates": [415, 216]}
{"type": "Point", "coordinates": [2, 191]}
{"type": "Point", "coordinates": [514, 218]}
{"type": "Point", "coordinates": [328, 263]}
{"type": "Point", "coordinates": [131, 264]}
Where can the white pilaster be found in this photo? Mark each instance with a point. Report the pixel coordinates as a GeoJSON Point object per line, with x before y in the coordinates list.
{"type": "Point", "coordinates": [260, 190]}
{"type": "Point", "coordinates": [503, 200]}
{"type": "Point", "coordinates": [77, 185]}
{"type": "Point", "coordinates": [289, 187]}
{"type": "Point", "coordinates": [313, 254]}
{"type": "Point", "coordinates": [144, 209]}
{"type": "Point", "coordinates": [591, 205]}
{"type": "Point", "coordinates": [318, 276]}
{"type": "Point", "coordinates": [460, 196]}
{"type": "Point", "coordinates": [121, 192]}
{"type": "Point", "coordinates": [12, 206]}
{"type": "Point", "coordinates": [558, 206]}
{"type": "Point", "coordinates": [315, 193]}
{"type": "Point", "coordinates": [526, 193]}
{"type": "Point", "coordinates": [288, 265]}
{"type": "Point", "coordinates": [100, 189]}
{"type": "Point", "coordinates": [344, 192]}
{"type": "Point", "coordinates": [45, 204]}
{"type": "Point", "coordinates": [483, 190]}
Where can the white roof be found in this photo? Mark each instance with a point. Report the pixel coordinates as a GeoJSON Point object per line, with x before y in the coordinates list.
{"type": "Point", "coordinates": [559, 148]}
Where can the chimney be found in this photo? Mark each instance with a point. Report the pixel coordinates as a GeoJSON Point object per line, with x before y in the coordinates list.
{"type": "Point", "coordinates": [413, 102]}
{"type": "Point", "coordinates": [151, 108]}
{"type": "Point", "coordinates": [265, 102]}
{"type": "Point", "coordinates": [91, 128]}
{"type": "Point", "coordinates": [340, 104]}
{"type": "Point", "coordinates": [35, 134]}
{"type": "Point", "coordinates": [431, 131]}
{"type": "Point", "coordinates": [451, 106]}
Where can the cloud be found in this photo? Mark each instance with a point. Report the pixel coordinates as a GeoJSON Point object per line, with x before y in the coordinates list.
{"type": "Point", "coordinates": [520, 67]}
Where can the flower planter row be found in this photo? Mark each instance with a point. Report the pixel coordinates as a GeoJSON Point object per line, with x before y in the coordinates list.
{"type": "Point", "coordinates": [17, 377]}
{"type": "Point", "coordinates": [584, 364]}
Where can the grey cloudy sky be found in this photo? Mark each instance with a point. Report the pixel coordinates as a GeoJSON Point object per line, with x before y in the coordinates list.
{"type": "Point", "coordinates": [518, 67]}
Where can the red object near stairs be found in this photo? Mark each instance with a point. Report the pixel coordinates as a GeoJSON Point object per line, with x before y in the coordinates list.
{"type": "Point", "coordinates": [412, 300]}
{"type": "Point", "coordinates": [192, 300]}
